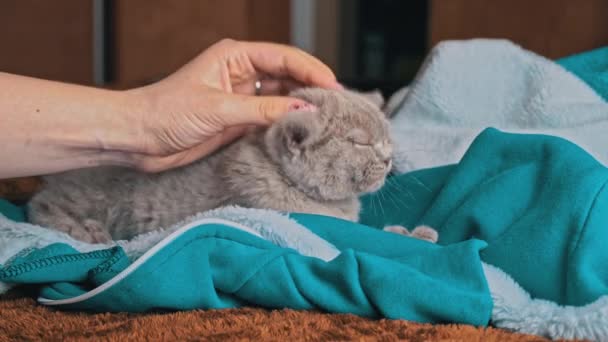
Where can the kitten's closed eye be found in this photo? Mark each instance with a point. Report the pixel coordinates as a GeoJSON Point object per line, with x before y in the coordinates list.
{"type": "Point", "coordinates": [359, 138]}
{"type": "Point", "coordinates": [360, 144]}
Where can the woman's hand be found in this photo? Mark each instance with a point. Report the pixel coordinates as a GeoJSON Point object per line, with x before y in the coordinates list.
{"type": "Point", "coordinates": [48, 127]}
{"type": "Point", "coordinates": [210, 101]}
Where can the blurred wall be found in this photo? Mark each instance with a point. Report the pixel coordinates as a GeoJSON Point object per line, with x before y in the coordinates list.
{"type": "Point", "coordinates": [552, 28]}
{"type": "Point", "coordinates": [146, 39]}
{"type": "Point", "coordinates": [48, 39]}
{"type": "Point", "coordinates": [154, 38]}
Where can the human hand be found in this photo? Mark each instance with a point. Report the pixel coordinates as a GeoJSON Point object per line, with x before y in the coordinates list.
{"type": "Point", "coordinates": [208, 102]}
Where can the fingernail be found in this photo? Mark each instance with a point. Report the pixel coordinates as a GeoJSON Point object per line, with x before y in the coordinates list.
{"type": "Point", "coordinates": [303, 107]}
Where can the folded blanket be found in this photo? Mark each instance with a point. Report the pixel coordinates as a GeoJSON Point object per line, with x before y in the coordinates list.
{"type": "Point", "coordinates": [466, 86]}
{"type": "Point", "coordinates": [216, 263]}
{"type": "Point", "coordinates": [540, 202]}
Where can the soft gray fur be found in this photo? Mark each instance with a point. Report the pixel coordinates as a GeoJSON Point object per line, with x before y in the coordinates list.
{"type": "Point", "coordinates": [318, 162]}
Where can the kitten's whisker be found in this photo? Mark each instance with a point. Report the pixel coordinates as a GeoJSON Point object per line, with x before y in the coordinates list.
{"type": "Point", "coordinates": [399, 189]}
{"type": "Point", "coordinates": [420, 182]}
{"type": "Point", "coordinates": [388, 194]}
{"type": "Point", "coordinates": [402, 189]}
{"type": "Point", "coordinates": [380, 202]}
{"type": "Point", "coordinates": [373, 206]}
{"type": "Point", "coordinates": [374, 199]}
{"type": "Point", "coordinates": [393, 201]}
{"type": "Point", "coordinates": [397, 195]}
{"type": "Point", "coordinates": [400, 202]}
{"type": "Point", "coordinates": [398, 199]}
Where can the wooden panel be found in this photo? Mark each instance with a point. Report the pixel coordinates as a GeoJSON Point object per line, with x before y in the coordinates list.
{"type": "Point", "coordinates": [327, 32]}
{"type": "Point", "coordinates": [582, 25]}
{"type": "Point", "coordinates": [155, 37]}
{"type": "Point", "coordinates": [268, 20]}
{"type": "Point", "coordinates": [47, 39]}
{"type": "Point", "coordinates": [553, 28]}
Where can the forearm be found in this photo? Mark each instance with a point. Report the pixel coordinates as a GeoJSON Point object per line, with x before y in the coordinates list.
{"type": "Point", "coordinates": [48, 127]}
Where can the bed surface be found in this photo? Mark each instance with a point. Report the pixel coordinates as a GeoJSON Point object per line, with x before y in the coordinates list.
{"type": "Point", "coordinates": [22, 319]}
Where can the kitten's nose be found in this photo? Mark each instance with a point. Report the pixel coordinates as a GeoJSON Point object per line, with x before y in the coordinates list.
{"type": "Point", "coordinates": [387, 162]}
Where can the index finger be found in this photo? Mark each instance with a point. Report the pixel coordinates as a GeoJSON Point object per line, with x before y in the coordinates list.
{"type": "Point", "coordinates": [286, 61]}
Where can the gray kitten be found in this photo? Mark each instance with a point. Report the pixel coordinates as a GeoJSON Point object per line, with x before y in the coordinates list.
{"type": "Point", "coordinates": [316, 162]}
{"type": "Point", "coordinates": [319, 162]}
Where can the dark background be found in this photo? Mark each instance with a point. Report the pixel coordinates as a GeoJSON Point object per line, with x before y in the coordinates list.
{"type": "Point", "coordinates": [377, 43]}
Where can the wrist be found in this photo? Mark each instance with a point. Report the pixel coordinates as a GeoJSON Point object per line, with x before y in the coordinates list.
{"type": "Point", "coordinates": [108, 133]}
{"type": "Point", "coordinates": [129, 132]}
{"type": "Point", "coordinates": [104, 129]}
{"type": "Point", "coordinates": [139, 107]}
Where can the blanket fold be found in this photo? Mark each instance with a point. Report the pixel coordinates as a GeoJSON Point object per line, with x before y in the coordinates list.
{"type": "Point", "coordinates": [208, 265]}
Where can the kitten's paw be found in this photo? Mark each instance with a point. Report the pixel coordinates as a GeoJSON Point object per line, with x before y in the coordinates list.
{"type": "Point", "coordinates": [425, 233]}
{"type": "Point", "coordinates": [421, 232]}
{"type": "Point", "coordinates": [397, 230]}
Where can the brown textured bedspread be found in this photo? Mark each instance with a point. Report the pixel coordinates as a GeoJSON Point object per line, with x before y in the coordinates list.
{"type": "Point", "coordinates": [21, 319]}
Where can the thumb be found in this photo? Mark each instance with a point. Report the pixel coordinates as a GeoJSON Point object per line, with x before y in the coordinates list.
{"type": "Point", "coordinates": [260, 110]}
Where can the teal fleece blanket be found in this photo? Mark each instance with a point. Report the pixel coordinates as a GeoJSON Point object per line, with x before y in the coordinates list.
{"type": "Point", "coordinates": [538, 202]}
{"type": "Point", "coordinates": [217, 266]}
{"type": "Point", "coordinates": [591, 67]}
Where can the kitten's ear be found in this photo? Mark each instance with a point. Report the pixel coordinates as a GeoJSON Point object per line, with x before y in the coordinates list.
{"type": "Point", "coordinates": [292, 134]}
{"type": "Point", "coordinates": [375, 97]}
{"type": "Point", "coordinates": [299, 130]}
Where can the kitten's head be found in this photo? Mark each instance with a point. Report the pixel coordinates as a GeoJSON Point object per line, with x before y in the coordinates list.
{"type": "Point", "coordinates": [340, 151]}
